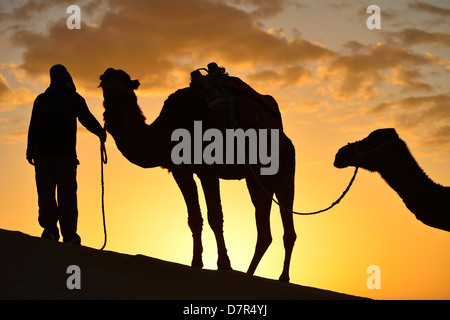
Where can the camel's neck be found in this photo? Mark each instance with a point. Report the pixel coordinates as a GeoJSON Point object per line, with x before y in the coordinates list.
{"type": "Point", "coordinates": [404, 175]}
{"type": "Point", "coordinates": [140, 143]}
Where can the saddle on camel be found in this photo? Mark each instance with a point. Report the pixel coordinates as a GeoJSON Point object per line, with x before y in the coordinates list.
{"type": "Point", "coordinates": [231, 99]}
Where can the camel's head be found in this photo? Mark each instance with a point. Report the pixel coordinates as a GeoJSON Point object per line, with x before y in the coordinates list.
{"type": "Point", "coordinates": [118, 92]}
{"type": "Point", "coordinates": [368, 152]}
{"type": "Point", "coordinates": [114, 82]}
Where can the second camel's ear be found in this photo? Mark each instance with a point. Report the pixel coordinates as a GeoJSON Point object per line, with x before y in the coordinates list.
{"type": "Point", "coordinates": [135, 84]}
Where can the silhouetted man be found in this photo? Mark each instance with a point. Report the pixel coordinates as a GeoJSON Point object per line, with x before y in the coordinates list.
{"type": "Point", "coordinates": [52, 150]}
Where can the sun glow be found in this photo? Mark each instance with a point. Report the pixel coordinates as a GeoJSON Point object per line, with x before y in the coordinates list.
{"type": "Point", "coordinates": [335, 82]}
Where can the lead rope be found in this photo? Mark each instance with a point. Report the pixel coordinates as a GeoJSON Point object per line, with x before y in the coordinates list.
{"type": "Point", "coordinates": [305, 213]}
{"type": "Point", "coordinates": [104, 160]}
{"type": "Point", "coordinates": [333, 204]}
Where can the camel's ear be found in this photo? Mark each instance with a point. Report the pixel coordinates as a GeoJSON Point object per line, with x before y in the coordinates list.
{"type": "Point", "coordinates": [393, 132]}
{"type": "Point", "coordinates": [135, 84]}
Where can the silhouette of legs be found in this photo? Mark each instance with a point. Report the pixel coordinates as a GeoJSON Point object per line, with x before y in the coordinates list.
{"type": "Point", "coordinates": [289, 233]}
{"type": "Point", "coordinates": [285, 196]}
{"type": "Point", "coordinates": [188, 188]}
{"type": "Point", "coordinates": [46, 189]}
{"type": "Point", "coordinates": [67, 199]}
{"type": "Point", "coordinates": [262, 203]}
{"type": "Point", "coordinates": [283, 186]}
{"type": "Point", "coordinates": [284, 191]}
{"type": "Point", "coordinates": [210, 184]}
{"type": "Point", "coordinates": [54, 172]}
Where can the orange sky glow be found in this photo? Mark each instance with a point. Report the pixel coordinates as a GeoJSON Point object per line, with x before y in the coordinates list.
{"type": "Point", "coordinates": [335, 81]}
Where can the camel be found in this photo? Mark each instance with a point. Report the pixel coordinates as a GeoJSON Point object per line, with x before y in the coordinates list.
{"type": "Point", "coordinates": [150, 145]}
{"type": "Point", "coordinates": [384, 152]}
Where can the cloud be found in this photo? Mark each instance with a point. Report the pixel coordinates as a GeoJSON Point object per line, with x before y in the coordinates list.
{"type": "Point", "coordinates": [416, 112]}
{"type": "Point", "coordinates": [424, 118]}
{"type": "Point", "coordinates": [160, 42]}
{"type": "Point", "coordinates": [438, 136]}
{"type": "Point", "coordinates": [412, 36]}
{"type": "Point", "coordinates": [286, 77]}
{"type": "Point", "coordinates": [29, 9]}
{"type": "Point", "coordinates": [360, 73]}
{"type": "Point", "coordinates": [11, 98]}
{"type": "Point", "coordinates": [266, 8]}
{"type": "Point", "coordinates": [335, 5]}
{"type": "Point", "coordinates": [378, 56]}
{"type": "Point", "coordinates": [409, 79]}
{"type": "Point", "coordinates": [422, 6]}
{"type": "Point", "coordinates": [308, 106]}
{"type": "Point", "coordinates": [14, 137]}
{"type": "Point", "coordinates": [434, 104]}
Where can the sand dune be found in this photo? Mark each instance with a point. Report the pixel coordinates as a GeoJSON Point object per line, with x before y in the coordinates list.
{"type": "Point", "coordinates": [33, 268]}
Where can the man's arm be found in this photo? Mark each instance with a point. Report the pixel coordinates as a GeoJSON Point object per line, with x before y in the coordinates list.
{"type": "Point", "coordinates": [88, 120]}
{"type": "Point", "coordinates": [33, 131]}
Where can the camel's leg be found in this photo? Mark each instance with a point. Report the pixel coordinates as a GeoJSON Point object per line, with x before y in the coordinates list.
{"type": "Point", "coordinates": [285, 197]}
{"type": "Point", "coordinates": [188, 188]}
{"type": "Point", "coordinates": [262, 202]}
{"type": "Point", "coordinates": [210, 184]}
{"type": "Point", "coordinates": [284, 191]}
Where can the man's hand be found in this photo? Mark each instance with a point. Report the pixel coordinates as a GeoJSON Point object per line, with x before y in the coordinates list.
{"type": "Point", "coordinates": [30, 157]}
{"type": "Point", "coordinates": [102, 136]}
{"type": "Point", "coordinates": [30, 160]}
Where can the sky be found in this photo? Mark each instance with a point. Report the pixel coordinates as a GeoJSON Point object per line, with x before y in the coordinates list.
{"type": "Point", "coordinates": [335, 81]}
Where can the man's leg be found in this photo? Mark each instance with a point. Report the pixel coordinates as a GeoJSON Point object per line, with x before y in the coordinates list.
{"type": "Point", "coordinates": [67, 199]}
{"type": "Point", "coordinates": [46, 186]}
